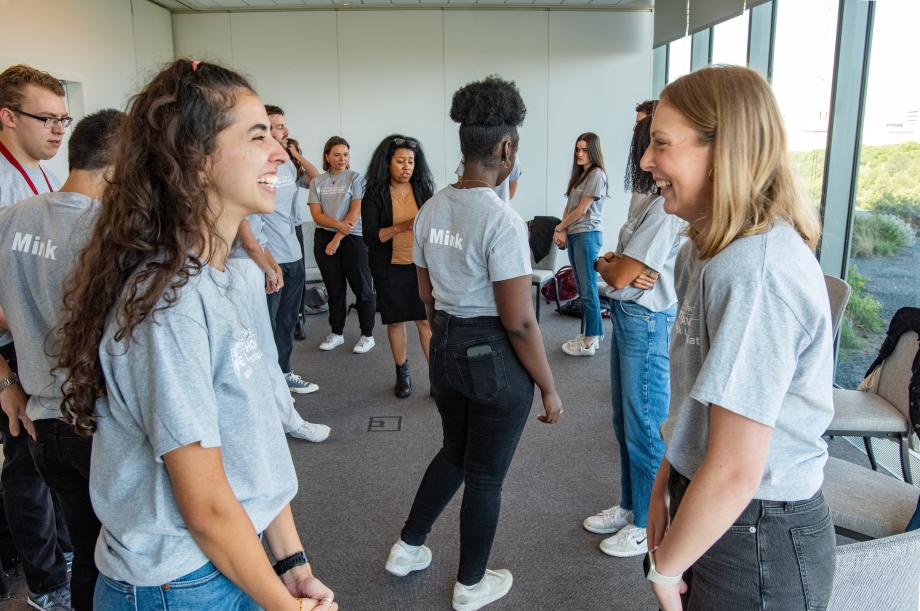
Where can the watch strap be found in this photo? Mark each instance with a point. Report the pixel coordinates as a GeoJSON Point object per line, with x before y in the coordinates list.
{"type": "Point", "coordinates": [655, 577]}
{"type": "Point", "coordinates": [286, 564]}
{"type": "Point", "coordinates": [9, 381]}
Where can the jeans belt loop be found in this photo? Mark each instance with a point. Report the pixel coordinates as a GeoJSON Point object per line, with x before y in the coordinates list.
{"type": "Point", "coordinates": [789, 506]}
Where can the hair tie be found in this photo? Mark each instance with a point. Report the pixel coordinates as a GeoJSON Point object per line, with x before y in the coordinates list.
{"type": "Point", "coordinates": [195, 63]}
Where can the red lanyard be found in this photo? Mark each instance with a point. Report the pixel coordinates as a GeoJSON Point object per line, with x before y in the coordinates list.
{"type": "Point", "coordinates": [9, 157]}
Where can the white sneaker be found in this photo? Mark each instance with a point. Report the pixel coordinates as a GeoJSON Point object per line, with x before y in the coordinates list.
{"type": "Point", "coordinates": [493, 586]}
{"type": "Point", "coordinates": [332, 341]}
{"type": "Point", "coordinates": [364, 344]}
{"type": "Point", "coordinates": [576, 347]}
{"type": "Point", "coordinates": [608, 521]}
{"type": "Point", "coordinates": [629, 541]}
{"type": "Point", "coordinates": [405, 558]}
{"type": "Point", "coordinates": [310, 431]}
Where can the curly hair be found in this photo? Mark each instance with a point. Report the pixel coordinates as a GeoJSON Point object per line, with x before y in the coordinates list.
{"type": "Point", "coordinates": [579, 174]}
{"type": "Point", "coordinates": [154, 217]}
{"type": "Point", "coordinates": [331, 142]}
{"type": "Point", "coordinates": [378, 171]}
{"type": "Point", "coordinates": [636, 179]}
{"type": "Point", "coordinates": [487, 111]}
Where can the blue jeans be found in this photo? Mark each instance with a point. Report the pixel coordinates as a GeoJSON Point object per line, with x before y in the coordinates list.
{"type": "Point", "coordinates": [484, 401]}
{"type": "Point", "coordinates": [640, 392]}
{"type": "Point", "coordinates": [583, 249]}
{"type": "Point", "coordinates": [914, 523]}
{"type": "Point", "coordinates": [203, 588]}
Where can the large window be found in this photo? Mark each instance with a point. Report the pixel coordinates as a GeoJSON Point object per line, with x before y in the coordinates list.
{"type": "Point", "coordinates": [803, 70]}
{"type": "Point", "coordinates": [884, 264]}
{"type": "Point", "coordinates": [679, 58]}
{"type": "Point", "coordinates": [730, 41]}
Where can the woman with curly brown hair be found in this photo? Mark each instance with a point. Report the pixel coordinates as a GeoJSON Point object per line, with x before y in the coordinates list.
{"type": "Point", "coordinates": [164, 365]}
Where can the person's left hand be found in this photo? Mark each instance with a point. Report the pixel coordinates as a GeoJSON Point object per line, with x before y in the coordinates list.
{"type": "Point", "coordinates": [669, 596]}
{"type": "Point", "coordinates": [332, 247]}
{"type": "Point", "coordinates": [646, 280]}
{"type": "Point", "coordinates": [301, 583]}
{"type": "Point", "coordinates": [13, 401]}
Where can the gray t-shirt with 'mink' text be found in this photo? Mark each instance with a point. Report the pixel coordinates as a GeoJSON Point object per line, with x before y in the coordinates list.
{"type": "Point", "coordinates": [279, 226]}
{"type": "Point", "coordinates": [651, 236]}
{"type": "Point", "coordinates": [594, 185]}
{"type": "Point", "coordinates": [468, 239]}
{"type": "Point", "coordinates": [335, 194]}
{"type": "Point", "coordinates": [40, 239]}
{"type": "Point", "coordinates": [753, 336]}
{"type": "Point", "coordinates": [193, 373]}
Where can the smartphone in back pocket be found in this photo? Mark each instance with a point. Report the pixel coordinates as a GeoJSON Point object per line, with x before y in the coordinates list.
{"type": "Point", "coordinates": [480, 350]}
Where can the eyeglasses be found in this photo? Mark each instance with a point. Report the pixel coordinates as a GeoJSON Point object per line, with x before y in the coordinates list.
{"type": "Point", "coordinates": [49, 122]}
{"type": "Point", "coordinates": [409, 142]}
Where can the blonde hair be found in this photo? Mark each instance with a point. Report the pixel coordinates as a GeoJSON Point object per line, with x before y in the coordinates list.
{"type": "Point", "coordinates": [754, 183]}
{"type": "Point", "coordinates": [13, 83]}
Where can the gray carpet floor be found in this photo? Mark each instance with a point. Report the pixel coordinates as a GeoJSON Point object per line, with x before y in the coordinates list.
{"type": "Point", "coordinates": [357, 487]}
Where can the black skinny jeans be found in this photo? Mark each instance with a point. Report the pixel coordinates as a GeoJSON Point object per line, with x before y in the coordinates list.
{"type": "Point", "coordinates": [283, 309]}
{"type": "Point", "coordinates": [776, 556]}
{"type": "Point", "coordinates": [348, 264]}
{"type": "Point", "coordinates": [484, 402]}
{"type": "Point", "coordinates": [33, 513]}
{"type": "Point", "coordinates": [62, 458]}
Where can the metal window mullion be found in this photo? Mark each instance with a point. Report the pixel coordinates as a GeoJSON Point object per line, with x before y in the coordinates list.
{"type": "Point", "coordinates": [841, 162]}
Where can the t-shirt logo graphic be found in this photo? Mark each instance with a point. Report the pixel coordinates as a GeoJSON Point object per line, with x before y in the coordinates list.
{"type": "Point", "coordinates": [244, 352]}
{"type": "Point", "coordinates": [685, 325]}
{"type": "Point", "coordinates": [444, 237]}
{"type": "Point", "coordinates": [33, 245]}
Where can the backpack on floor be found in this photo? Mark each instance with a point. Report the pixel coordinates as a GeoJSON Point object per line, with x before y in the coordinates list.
{"type": "Point", "coordinates": [568, 288]}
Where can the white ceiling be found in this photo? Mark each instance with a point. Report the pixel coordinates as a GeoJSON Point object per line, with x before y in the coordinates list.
{"type": "Point", "coordinates": [194, 6]}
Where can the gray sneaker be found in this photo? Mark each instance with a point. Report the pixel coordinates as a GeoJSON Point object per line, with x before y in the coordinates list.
{"type": "Point", "coordinates": [55, 600]}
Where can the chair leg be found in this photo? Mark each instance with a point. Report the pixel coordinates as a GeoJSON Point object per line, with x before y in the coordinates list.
{"type": "Point", "coordinates": [870, 453]}
{"type": "Point", "coordinates": [556, 286]}
{"type": "Point", "coordinates": [905, 459]}
{"type": "Point", "coordinates": [536, 302]}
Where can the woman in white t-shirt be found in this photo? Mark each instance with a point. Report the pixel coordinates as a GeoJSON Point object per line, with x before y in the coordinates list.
{"type": "Point", "coordinates": [164, 365]}
{"type": "Point", "coordinates": [581, 231]}
{"type": "Point", "coordinates": [751, 359]}
{"type": "Point", "coordinates": [338, 246]}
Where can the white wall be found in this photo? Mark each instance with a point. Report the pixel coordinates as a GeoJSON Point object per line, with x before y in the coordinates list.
{"type": "Point", "coordinates": [105, 47]}
{"type": "Point", "coordinates": [365, 74]}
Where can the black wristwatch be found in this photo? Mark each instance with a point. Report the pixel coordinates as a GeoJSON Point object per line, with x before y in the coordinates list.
{"type": "Point", "coordinates": [283, 566]}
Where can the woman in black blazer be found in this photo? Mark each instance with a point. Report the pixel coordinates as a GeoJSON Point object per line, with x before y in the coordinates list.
{"type": "Point", "coordinates": [398, 183]}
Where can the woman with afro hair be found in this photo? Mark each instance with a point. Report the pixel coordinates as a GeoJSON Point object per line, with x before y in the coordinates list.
{"type": "Point", "coordinates": [474, 275]}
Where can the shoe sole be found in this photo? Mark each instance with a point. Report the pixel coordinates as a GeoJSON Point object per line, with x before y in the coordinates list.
{"type": "Point", "coordinates": [479, 604]}
{"type": "Point", "coordinates": [311, 440]}
{"type": "Point", "coordinates": [356, 351]}
{"type": "Point", "coordinates": [602, 531]}
{"type": "Point", "coordinates": [303, 391]}
{"type": "Point", "coordinates": [629, 554]}
{"type": "Point", "coordinates": [328, 348]}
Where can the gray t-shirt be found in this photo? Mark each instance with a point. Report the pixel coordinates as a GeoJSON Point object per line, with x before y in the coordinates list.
{"type": "Point", "coordinates": [195, 373]}
{"type": "Point", "coordinates": [40, 239]}
{"type": "Point", "coordinates": [334, 194]}
{"type": "Point", "coordinates": [753, 336]}
{"type": "Point", "coordinates": [468, 239]}
{"type": "Point", "coordinates": [503, 189]}
{"type": "Point", "coordinates": [256, 223]}
{"type": "Point", "coordinates": [652, 236]}
{"type": "Point", "coordinates": [279, 226]}
{"type": "Point", "coordinates": [14, 188]}
{"type": "Point", "coordinates": [594, 186]}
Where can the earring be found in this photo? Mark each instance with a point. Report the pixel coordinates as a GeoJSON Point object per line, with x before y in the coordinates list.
{"type": "Point", "coordinates": [506, 163]}
{"type": "Point", "coordinates": [709, 175]}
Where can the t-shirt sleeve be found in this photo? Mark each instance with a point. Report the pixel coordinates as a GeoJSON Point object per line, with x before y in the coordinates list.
{"type": "Point", "coordinates": [755, 341]}
{"type": "Point", "coordinates": [508, 253]}
{"type": "Point", "coordinates": [153, 379]}
{"type": "Point", "coordinates": [515, 171]}
{"type": "Point", "coordinates": [653, 240]}
{"type": "Point", "coordinates": [460, 169]}
{"type": "Point", "coordinates": [418, 242]}
{"type": "Point", "coordinates": [595, 185]}
{"type": "Point", "coordinates": [358, 187]}
{"type": "Point", "coordinates": [313, 196]}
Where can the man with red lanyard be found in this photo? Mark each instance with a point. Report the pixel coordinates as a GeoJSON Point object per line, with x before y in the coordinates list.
{"type": "Point", "coordinates": [33, 119]}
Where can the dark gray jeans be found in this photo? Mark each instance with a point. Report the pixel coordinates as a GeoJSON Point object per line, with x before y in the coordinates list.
{"type": "Point", "coordinates": [777, 555]}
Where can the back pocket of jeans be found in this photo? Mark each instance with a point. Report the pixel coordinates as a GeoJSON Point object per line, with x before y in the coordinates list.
{"type": "Point", "coordinates": [483, 375]}
{"type": "Point", "coordinates": [814, 551]}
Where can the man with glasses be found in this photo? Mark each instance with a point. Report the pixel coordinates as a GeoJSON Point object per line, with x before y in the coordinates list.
{"type": "Point", "coordinates": [33, 118]}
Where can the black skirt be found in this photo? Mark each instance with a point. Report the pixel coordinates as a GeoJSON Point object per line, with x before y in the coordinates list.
{"type": "Point", "coordinates": [397, 295]}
